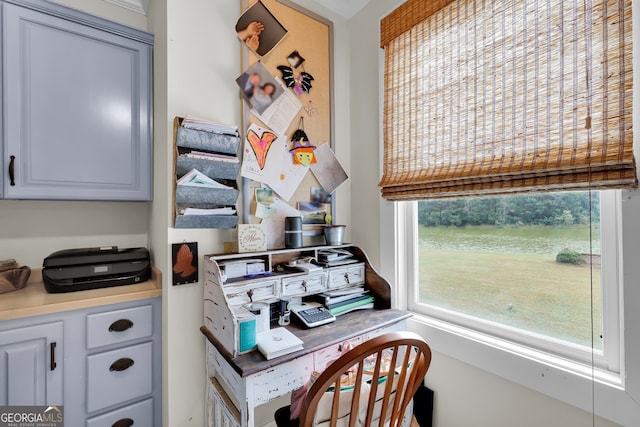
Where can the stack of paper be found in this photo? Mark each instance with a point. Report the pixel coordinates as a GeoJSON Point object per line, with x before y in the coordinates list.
{"type": "Point", "coordinates": [342, 301]}
{"type": "Point", "coordinates": [195, 178]}
{"type": "Point", "coordinates": [277, 342]}
{"type": "Point", "coordinates": [334, 257]}
{"type": "Point", "coordinates": [359, 303]}
{"type": "Point", "coordinates": [204, 211]}
{"type": "Point", "coordinates": [205, 155]}
{"type": "Point", "coordinates": [209, 126]}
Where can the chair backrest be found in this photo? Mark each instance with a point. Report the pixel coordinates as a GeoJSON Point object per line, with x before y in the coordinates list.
{"type": "Point", "coordinates": [360, 389]}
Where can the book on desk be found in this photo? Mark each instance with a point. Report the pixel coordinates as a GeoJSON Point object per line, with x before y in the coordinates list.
{"type": "Point", "coordinates": [277, 342]}
{"type": "Point", "coordinates": [342, 301]}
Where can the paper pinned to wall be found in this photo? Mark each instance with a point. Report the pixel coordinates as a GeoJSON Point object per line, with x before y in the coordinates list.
{"type": "Point", "coordinates": [281, 112]}
{"type": "Point", "coordinates": [328, 170]}
{"type": "Point", "coordinates": [267, 160]}
{"type": "Point", "coordinates": [274, 225]}
{"type": "Point", "coordinates": [260, 29]}
{"type": "Point", "coordinates": [312, 37]}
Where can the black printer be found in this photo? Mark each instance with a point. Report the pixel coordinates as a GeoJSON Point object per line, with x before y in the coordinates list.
{"type": "Point", "coordinates": [91, 268]}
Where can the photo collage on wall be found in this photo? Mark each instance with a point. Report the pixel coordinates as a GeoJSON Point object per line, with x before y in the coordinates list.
{"type": "Point", "coordinates": [278, 152]}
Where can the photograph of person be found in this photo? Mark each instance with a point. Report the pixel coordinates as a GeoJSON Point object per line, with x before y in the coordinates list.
{"type": "Point", "coordinates": [259, 88]}
{"type": "Point", "coordinates": [259, 29]}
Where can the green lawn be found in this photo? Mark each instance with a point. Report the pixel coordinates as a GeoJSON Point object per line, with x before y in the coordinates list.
{"type": "Point", "coordinates": [528, 291]}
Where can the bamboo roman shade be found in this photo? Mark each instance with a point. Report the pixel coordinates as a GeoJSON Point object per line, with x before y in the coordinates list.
{"type": "Point", "coordinates": [490, 97]}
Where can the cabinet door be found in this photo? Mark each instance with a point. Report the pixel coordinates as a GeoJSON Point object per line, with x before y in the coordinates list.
{"type": "Point", "coordinates": [31, 365]}
{"type": "Point", "coordinates": [77, 118]}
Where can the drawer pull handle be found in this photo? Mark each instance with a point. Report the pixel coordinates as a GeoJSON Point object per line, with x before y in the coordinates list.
{"type": "Point", "coordinates": [12, 173]}
{"type": "Point", "coordinates": [121, 364]}
{"type": "Point", "coordinates": [346, 277]}
{"type": "Point", "coordinates": [52, 356]}
{"type": "Point", "coordinates": [125, 422]}
{"type": "Point", "coordinates": [120, 325]}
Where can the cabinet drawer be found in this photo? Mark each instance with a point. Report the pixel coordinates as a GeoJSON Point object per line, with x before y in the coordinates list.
{"type": "Point", "coordinates": [258, 291]}
{"type": "Point", "coordinates": [324, 356]}
{"type": "Point", "coordinates": [304, 284]}
{"type": "Point", "coordinates": [281, 379]}
{"type": "Point", "coordinates": [112, 327]}
{"type": "Point", "coordinates": [119, 375]}
{"type": "Point", "coordinates": [138, 415]}
{"type": "Point", "coordinates": [346, 276]}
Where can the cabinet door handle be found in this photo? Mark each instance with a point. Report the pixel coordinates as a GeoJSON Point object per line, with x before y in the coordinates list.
{"type": "Point", "coordinates": [121, 364]}
{"type": "Point", "coordinates": [12, 173]}
{"type": "Point", "coordinates": [124, 422]}
{"type": "Point", "coordinates": [346, 277]}
{"type": "Point", "coordinates": [52, 356]}
{"type": "Point", "coordinates": [120, 325]}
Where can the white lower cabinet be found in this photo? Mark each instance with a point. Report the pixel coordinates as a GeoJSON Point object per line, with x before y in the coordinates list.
{"type": "Point", "coordinates": [101, 364]}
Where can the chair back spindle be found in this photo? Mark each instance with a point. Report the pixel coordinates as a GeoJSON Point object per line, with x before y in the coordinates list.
{"type": "Point", "coordinates": [378, 395]}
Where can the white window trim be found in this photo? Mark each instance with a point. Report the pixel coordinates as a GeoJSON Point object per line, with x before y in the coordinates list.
{"type": "Point", "coordinates": [617, 397]}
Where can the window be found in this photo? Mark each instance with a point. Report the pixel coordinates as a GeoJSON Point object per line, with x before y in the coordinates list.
{"type": "Point", "coordinates": [527, 268]}
{"type": "Point", "coordinates": [487, 98]}
{"type": "Point", "coordinates": [491, 98]}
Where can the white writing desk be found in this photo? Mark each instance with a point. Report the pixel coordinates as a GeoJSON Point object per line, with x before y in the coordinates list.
{"type": "Point", "coordinates": [249, 380]}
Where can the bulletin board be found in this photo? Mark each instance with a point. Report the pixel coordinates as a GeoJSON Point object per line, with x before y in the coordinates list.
{"type": "Point", "coordinates": [306, 50]}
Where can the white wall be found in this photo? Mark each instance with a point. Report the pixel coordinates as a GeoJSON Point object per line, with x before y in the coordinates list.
{"type": "Point", "coordinates": [197, 59]}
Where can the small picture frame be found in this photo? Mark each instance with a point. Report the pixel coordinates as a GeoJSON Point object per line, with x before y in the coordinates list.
{"type": "Point", "coordinates": [184, 257]}
{"type": "Point", "coordinates": [252, 238]}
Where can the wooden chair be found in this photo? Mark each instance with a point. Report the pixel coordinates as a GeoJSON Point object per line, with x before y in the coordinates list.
{"type": "Point", "coordinates": [358, 390]}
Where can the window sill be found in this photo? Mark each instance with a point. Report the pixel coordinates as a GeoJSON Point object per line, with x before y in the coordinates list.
{"type": "Point", "coordinates": [564, 380]}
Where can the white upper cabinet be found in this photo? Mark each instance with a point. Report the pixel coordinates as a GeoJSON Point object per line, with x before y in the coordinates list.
{"type": "Point", "coordinates": [77, 118]}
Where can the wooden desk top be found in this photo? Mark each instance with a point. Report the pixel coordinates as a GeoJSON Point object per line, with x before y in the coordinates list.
{"type": "Point", "coordinates": [345, 327]}
{"type": "Point", "coordinates": [34, 300]}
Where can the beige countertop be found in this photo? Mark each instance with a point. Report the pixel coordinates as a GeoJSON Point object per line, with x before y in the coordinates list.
{"type": "Point", "coordinates": [34, 300]}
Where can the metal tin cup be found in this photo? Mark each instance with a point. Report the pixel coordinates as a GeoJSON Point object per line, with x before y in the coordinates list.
{"type": "Point", "coordinates": [334, 234]}
{"type": "Point", "coordinates": [293, 232]}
